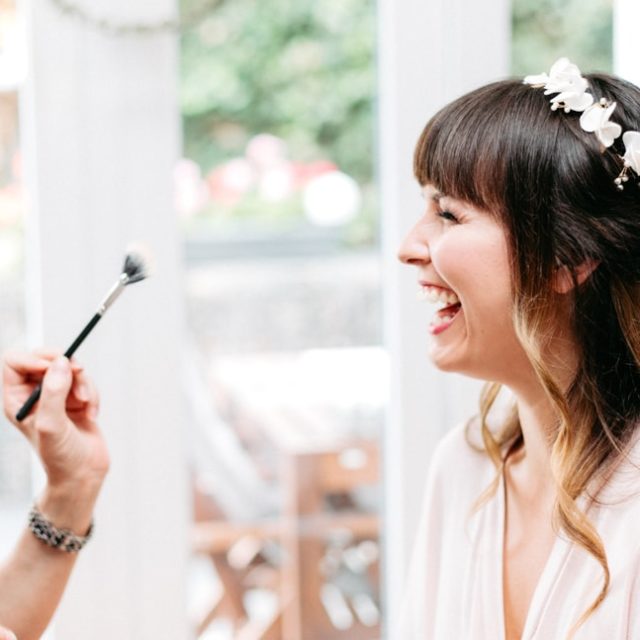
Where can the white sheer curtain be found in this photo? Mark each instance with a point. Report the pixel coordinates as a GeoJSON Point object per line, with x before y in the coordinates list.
{"type": "Point", "coordinates": [100, 141]}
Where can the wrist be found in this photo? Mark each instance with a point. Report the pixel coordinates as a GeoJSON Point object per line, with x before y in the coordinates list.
{"type": "Point", "coordinates": [55, 537]}
{"type": "Point", "coordinates": [69, 506]}
{"type": "Point", "coordinates": [70, 489]}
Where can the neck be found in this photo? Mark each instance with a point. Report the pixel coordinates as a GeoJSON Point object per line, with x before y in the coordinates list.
{"type": "Point", "coordinates": [538, 420]}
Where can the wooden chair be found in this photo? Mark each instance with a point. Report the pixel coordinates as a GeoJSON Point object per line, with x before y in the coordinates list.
{"type": "Point", "coordinates": [318, 609]}
{"type": "Point", "coordinates": [233, 507]}
{"type": "Point", "coordinates": [284, 533]}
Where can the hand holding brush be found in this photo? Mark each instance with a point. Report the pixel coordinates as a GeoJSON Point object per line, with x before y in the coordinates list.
{"type": "Point", "coordinates": [135, 269]}
{"type": "Point", "coordinates": [67, 439]}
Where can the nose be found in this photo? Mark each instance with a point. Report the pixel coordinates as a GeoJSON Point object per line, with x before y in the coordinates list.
{"type": "Point", "coordinates": [414, 248]}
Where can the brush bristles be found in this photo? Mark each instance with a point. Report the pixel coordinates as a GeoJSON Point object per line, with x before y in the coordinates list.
{"type": "Point", "coordinates": [137, 264]}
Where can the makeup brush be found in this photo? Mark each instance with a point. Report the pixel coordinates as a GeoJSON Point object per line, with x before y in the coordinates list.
{"type": "Point", "coordinates": [136, 267]}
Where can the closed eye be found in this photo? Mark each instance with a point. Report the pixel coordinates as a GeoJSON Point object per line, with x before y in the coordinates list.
{"type": "Point", "coordinates": [447, 215]}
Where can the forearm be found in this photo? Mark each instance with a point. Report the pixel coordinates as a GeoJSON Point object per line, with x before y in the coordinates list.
{"type": "Point", "coordinates": [33, 579]}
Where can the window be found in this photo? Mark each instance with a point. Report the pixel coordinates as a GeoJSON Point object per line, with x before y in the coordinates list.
{"type": "Point", "coordinates": [287, 372]}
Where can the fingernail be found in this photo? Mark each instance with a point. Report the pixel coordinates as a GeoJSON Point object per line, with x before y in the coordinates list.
{"type": "Point", "coordinates": [93, 413]}
{"type": "Point", "coordinates": [82, 392]}
{"type": "Point", "coordinates": [60, 364]}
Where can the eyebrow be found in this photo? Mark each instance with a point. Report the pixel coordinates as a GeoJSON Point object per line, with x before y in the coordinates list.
{"type": "Point", "coordinates": [435, 196]}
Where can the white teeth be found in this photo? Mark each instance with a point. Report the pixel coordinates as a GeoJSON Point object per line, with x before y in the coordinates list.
{"type": "Point", "coordinates": [436, 295]}
{"type": "Point", "coordinates": [438, 320]}
{"type": "Point", "coordinates": [432, 295]}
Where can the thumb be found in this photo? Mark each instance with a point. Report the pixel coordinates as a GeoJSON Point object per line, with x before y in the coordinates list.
{"type": "Point", "coordinates": [55, 389]}
{"type": "Point", "coordinates": [5, 634]}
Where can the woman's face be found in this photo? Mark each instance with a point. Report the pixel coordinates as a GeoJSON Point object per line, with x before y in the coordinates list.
{"type": "Point", "coordinates": [463, 265]}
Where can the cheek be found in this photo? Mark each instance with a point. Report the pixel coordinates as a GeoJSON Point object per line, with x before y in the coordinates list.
{"type": "Point", "coordinates": [476, 266]}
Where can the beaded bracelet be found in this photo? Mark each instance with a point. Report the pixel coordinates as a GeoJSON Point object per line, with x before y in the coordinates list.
{"type": "Point", "coordinates": [62, 539]}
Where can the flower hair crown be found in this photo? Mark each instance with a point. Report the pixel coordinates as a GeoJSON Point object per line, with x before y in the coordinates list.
{"type": "Point", "coordinates": [571, 88]}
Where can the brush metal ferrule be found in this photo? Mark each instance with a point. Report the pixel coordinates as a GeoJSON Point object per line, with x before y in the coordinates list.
{"type": "Point", "coordinates": [113, 294]}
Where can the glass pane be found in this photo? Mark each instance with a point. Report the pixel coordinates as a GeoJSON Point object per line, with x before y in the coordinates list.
{"type": "Point", "coordinates": [546, 30]}
{"type": "Point", "coordinates": [286, 374]}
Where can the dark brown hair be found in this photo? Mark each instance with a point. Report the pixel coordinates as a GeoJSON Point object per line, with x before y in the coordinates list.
{"type": "Point", "coordinates": [549, 183]}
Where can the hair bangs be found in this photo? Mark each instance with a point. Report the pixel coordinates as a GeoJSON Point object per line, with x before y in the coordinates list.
{"type": "Point", "coordinates": [481, 142]}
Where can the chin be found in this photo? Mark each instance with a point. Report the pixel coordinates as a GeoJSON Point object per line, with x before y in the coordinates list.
{"type": "Point", "coordinates": [445, 361]}
{"type": "Point", "coordinates": [448, 363]}
{"type": "Point", "coordinates": [447, 366]}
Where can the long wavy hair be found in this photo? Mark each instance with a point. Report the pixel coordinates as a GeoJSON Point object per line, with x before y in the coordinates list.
{"type": "Point", "coordinates": [551, 187]}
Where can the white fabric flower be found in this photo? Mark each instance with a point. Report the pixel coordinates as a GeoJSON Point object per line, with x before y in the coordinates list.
{"type": "Point", "coordinates": [571, 89]}
{"type": "Point", "coordinates": [537, 82]}
{"type": "Point", "coordinates": [565, 80]}
{"type": "Point", "coordinates": [631, 141]}
{"type": "Point", "coordinates": [565, 76]}
{"type": "Point", "coordinates": [571, 101]}
{"type": "Point", "coordinates": [595, 119]}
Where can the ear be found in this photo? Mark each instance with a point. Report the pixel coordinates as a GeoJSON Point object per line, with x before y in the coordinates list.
{"type": "Point", "coordinates": [562, 280]}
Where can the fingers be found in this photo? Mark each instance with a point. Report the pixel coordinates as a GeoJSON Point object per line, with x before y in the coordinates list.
{"type": "Point", "coordinates": [86, 395]}
{"type": "Point", "coordinates": [21, 373]}
{"type": "Point", "coordinates": [24, 371]}
{"type": "Point", "coordinates": [5, 634]}
{"type": "Point", "coordinates": [56, 384]}
{"type": "Point", "coordinates": [20, 367]}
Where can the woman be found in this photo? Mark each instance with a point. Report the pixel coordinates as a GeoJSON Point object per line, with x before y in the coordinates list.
{"type": "Point", "coordinates": [530, 239]}
{"type": "Point", "coordinates": [63, 431]}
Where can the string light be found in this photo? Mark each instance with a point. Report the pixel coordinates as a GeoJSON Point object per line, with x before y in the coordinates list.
{"type": "Point", "coordinates": [119, 28]}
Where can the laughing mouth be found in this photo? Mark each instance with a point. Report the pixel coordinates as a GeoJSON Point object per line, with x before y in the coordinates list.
{"type": "Point", "coordinates": [438, 295]}
{"type": "Point", "coordinates": [444, 318]}
{"type": "Point", "coordinates": [449, 306]}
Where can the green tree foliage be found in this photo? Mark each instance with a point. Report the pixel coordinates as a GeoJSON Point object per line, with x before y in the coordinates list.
{"type": "Point", "coordinates": [300, 70]}
{"type": "Point", "coordinates": [545, 30]}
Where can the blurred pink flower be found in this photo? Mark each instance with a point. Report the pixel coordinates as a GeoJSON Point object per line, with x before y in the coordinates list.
{"type": "Point", "coordinates": [266, 150]}
{"type": "Point", "coordinates": [310, 170]}
{"type": "Point", "coordinates": [190, 191]}
{"type": "Point", "coordinates": [12, 205]}
{"type": "Point", "coordinates": [229, 182]}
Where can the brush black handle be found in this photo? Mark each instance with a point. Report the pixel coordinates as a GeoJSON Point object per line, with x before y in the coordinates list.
{"type": "Point", "coordinates": [82, 335]}
{"type": "Point", "coordinates": [35, 395]}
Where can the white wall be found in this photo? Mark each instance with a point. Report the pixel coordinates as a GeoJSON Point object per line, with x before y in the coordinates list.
{"type": "Point", "coordinates": [100, 138]}
{"type": "Point", "coordinates": [626, 44]}
{"type": "Point", "coordinates": [429, 52]}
